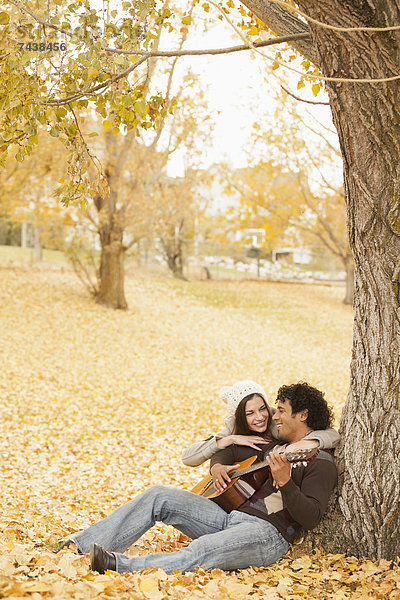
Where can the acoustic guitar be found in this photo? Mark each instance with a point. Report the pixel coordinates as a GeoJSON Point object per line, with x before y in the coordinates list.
{"type": "Point", "coordinates": [247, 479]}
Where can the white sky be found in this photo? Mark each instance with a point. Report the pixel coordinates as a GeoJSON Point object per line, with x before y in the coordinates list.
{"type": "Point", "coordinates": [237, 91]}
{"type": "Point", "coordinates": [237, 96]}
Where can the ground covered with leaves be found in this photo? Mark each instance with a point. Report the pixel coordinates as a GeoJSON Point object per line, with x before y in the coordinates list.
{"type": "Point", "coordinates": [97, 405]}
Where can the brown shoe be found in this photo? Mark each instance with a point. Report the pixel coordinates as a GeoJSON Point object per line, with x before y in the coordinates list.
{"type": "Point", "coordinates": [101, 560]}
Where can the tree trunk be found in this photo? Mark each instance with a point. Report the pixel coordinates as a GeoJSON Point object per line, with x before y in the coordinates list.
{"type": "Point", "coordinates": [349, 294]}
{"type": "Point", "coordinates": [175, 262]}
{"type": "Point", "coordinates": [365, 521]}
{"type": "Point", "coordinates": [173, 251]}
{"type": "Point", "coordinates": [111, 273]}
{"type": "Point", "coordinates": [111, 228]}
{"type": "Point", "coordinates": [37, 243]}
{"type": "Point", "coordinates": [24, 234]}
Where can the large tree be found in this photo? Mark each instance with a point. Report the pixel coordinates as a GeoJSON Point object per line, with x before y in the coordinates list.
{"type": "Point", "coordinates": [365, 519]}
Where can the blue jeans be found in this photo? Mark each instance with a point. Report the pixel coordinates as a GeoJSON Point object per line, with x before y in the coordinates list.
{"type": "Point", "coordinates": [220, 540]}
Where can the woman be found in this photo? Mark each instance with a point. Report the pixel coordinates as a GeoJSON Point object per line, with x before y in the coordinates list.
{"type": "Point", "coordinates": [243, 435]}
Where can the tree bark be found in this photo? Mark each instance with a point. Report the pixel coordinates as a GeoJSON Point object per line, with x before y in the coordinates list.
{"type": "Point", "coordinates": [365, 519]}
{"type": "Point", "coordinates": [349, 294]}
{"type": "Point", "coordinates": [111, 273]}
{"type": "Point", "coordinates": [176, 267]}
{"type": "Point", "coordinates": [174, 256]}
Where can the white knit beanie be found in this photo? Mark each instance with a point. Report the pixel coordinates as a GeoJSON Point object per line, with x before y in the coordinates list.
{"type": "Point", "coordinates": [234, 394]}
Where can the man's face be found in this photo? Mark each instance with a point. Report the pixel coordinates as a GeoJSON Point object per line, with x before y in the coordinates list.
{"type": "Point", "coordinates": [290, 426]}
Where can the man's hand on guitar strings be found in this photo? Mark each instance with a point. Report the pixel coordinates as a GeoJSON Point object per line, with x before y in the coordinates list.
{"type": "Point", "coordinates": [281, 468]}
{"type": "Point", "coordinates": [220, 475]}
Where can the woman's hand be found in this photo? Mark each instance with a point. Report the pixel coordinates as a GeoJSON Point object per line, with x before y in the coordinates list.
{"type": "Point", "coordinates": [242, 440]}
{"type": "Point", "coordinates": [220, 475]}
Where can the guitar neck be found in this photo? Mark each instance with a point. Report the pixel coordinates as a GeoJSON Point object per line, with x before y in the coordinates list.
{"type": "Point", "coordinates": [300, 457]}
{"type": "Point", "coordinates": [254, 467]}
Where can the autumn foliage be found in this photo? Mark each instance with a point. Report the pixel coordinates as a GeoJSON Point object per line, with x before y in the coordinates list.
{"type": "Point", "coordinates": [96, 405]}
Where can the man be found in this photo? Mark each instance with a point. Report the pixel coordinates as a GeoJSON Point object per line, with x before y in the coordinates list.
{"type": "Point", "coordinates": [258, 533]}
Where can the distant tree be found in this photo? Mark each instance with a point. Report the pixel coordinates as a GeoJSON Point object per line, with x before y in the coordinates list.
{"type": "Point", "coordinates": [27, 193]}
{"type": "Point", "coordinates": [299, 189]}
{"type": "Point", "coordinates": [138, 189]}
{"type": "Point", "coordinates": [177, 207]}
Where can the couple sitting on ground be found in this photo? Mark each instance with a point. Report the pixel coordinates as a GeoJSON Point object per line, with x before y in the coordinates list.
{"type": "Point", "coordinates": [260, 530]}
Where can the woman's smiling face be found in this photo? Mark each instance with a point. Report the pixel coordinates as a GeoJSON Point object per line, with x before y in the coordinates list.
{"type": "Point", "coordinates": [257, 414]}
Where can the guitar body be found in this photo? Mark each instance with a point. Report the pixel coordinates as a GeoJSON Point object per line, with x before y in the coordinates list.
{"type": "Point", "coordinates": [237, 491]}
{"type": "Point", "coordinates": [250, 477]}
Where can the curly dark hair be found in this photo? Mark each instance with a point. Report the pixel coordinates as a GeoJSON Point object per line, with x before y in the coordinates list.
{"type": "Point", "coordinates": [303, 396]}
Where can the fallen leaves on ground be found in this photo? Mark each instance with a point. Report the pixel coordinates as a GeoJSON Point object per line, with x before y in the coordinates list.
{"type": "Point", "coordinates": [97, 405]}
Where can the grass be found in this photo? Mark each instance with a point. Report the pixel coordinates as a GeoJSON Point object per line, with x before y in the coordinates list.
{"type": "Point", "coordinates": [24, 255]}
{"type": "Point", "coordinates": [252, 293]}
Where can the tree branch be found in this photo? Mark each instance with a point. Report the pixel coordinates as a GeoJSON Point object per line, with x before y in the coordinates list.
{"type": "Point", "coordinates": [146, 55]}
{"type": "Point", "coordinates": [169, 85]}
{"type": "Point", "coordinates": [323, 240]}
{"type": "Point", "coordinates": [324, 223]}
{"type": "Point", "coordinates": [39, 20]}
{"type": "Point", "coordinates": [133, 242]}
{"type": "Point", "coordinates": [84, 143]}
{"type": "Point", "coordinates": [321, 135]}
{"type": "Point", "coordinates": [302, 99]}
{"type": "Point", "coordinates": [212, 51]}
{"type": "Point", "coordinates": [283, 23]}
{"type": "Point", "coordinates": [322, 176]}
{"type": "Point", "coordinates": [96, 88]}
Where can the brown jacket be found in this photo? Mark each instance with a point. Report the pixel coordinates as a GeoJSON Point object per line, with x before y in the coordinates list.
{"type": "Point", "coordinates": [296, 506]}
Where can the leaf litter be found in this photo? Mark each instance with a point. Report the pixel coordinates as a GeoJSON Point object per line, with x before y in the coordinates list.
{"type": "Point", "coordinates": [97, 405]}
